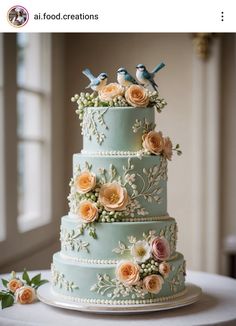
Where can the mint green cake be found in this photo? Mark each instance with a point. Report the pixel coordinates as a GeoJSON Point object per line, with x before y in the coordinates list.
{"type": "Point", "coordinates": [118, 243]}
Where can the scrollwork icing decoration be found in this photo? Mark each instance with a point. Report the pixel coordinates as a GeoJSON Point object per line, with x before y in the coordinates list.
{"type": "Point", "coordinates": [58, 279]}
{"type": "Point", "coordinates": [69, 239]}
{"type": "Point", "coordinates": [150, 179]}
{"type": "Point", "coordinates": [144, 125]}
{"type": "Point", "coordinates": [92, 119]}
{"type": "Point", "coordinates": [169, 232]}
{"type": "Point", "coordinates": [178, 278]}
{"type": "Point", "coordinates": [113, 289]}
{"type": "Point", "coordinates": [145, 185]}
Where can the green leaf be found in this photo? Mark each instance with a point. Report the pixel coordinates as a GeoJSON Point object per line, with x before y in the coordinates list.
{"type": "Point", "coordinates": [7, 301]}
{"type": "Point", "coordinates": [36, 279]}
{"type": "Point", "coordinates": [92, 233]}
{"type": "Point", "coordinates": [40, 283]}
{"type": "Point", "coordinates": [25, 277]}
{"type": "Point", "coordinates": [4, 282]}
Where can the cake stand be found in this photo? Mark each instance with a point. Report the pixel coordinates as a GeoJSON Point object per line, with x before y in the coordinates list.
{"type": "Point", "coordinates": [47, 296]}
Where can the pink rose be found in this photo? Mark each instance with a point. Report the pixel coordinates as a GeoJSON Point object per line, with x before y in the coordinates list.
{"type": "Point", "coordinates": [160, 248]}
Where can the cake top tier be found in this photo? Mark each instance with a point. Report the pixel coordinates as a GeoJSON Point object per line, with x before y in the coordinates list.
{"type": "Point", "coordinates": [119, 118]}
{"type": "Point", "coordinates": [115, 129]}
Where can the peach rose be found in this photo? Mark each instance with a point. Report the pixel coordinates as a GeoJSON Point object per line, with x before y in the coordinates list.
{"type": "Point", "coordinates": [110, 91]}
{"type": "Point", "coordinates": [160, 248]}
{"type": "Point", "coordinates": [87, 211]}
{"type": "Point", "coordinates": [167, 148]}
{"type": "Point", "coordinates": [137, 96]}
{"type": "Point", "coordinates": [153, 283]}
{"type": "Point", "coordinates": [113, 197]}
{"type": "Point", "coordinates": [127, 272]}
{"type": "Point", "coordinates": [85, 182]}
{"type": "Point", "coordinates": [25, 294]}
{"type": "Point", "coordinates": [14, 284]}
{"type": "Point", "coordinates": [153, 142]}
{"type": "Point", "coordinates": [164, 269]}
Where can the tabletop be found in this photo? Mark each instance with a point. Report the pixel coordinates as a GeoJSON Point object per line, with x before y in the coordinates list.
{"type": "Point", "coordinates": [217, 306]}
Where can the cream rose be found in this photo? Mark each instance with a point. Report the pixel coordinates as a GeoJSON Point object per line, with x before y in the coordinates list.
{"type": "Point", "coordinates": [137, 96]}
{"type": "Point", "coordinates": [14, 284]}
{"type": "Point", "coordinates": [110, 91]}
{"type": "Point", "coordinates": [113, 197]}
{"type": "Point", "coordinates": [85, 182]}
{"type": "Point", "coordinates": [127, 272]}
{"type": "Point", "coordinates": [164, 269]}
{"type": "Point", "coordinates": [87, 211]}
{"type": "Point", "coordinates": [153, 142]}
{"type": "Point", "coordinates": [167, 148]}
{"type": "Point", "coordinates": [160, 248]}
{"type": "Point", "coordinates": [25, 294]}
{"type": "Point", "coordinates": [153, 283]}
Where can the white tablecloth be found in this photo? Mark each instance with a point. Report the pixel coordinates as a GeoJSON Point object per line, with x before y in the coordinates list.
{"type": "Point", "coordinates": [217, 306]}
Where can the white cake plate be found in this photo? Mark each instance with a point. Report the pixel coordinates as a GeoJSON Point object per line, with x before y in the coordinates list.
{"type": "Point", "coordinates": [46, 295]}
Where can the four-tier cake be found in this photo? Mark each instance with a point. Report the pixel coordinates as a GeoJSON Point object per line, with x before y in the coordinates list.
{"type": "Point", "coordinates": [118, 243]}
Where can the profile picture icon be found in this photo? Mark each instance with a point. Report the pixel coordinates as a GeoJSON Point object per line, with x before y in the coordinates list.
{"type": "Point", "coordinates": [18, 16]}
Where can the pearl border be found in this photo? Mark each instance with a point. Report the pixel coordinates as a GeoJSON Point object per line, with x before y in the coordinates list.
{"type": "Point", "coordinates": [121, 302]}
{"type": "Point", "coordinates": [100, 261]}
{"type": "Point", "coordinates": [74, 217]}
{"type": "Point", "coordinates": [139, 153]}
{"type": "Point", "coordinates": [90, 261]}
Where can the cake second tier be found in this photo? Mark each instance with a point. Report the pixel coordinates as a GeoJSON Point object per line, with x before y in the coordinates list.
{"type": "Point", "coordinates": [144, 179]}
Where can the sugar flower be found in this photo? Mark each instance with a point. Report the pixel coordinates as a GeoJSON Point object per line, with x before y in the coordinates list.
{"type": "Point", "coordinates": [160, 248]}
{"type": "Point", "coordinates": [137, 96]}
{"type": "Point", "coordinates": [153, 142]}
{"type": "Point", "coordinates": [153, 283]}
{"type": "Point", "coordinates": [85, 181]}
{"type": "Point", "coordinates": [167, 148]}
{"type": "Point", "coordinates": [110, 91]}
{"type": "Point", "coordinates": [127, 272]}
{"type": "Point", "coordinates": [113, 197]}
{"type": "Point", "coordinates": [141, 251]}
{"type": "Point", "coordinates": [164, 269]}
{"type": "Point", "coordinates": [87, 211]}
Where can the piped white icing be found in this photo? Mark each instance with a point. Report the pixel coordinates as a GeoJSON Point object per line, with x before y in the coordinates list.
{"type": "Point", "coordinates": [122, 302]}
{"type": "Point", "coordinates": [139, 153]}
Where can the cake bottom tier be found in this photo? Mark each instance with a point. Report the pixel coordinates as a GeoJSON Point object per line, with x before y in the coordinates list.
{"type": "Point", "coordinates": [97, 283]}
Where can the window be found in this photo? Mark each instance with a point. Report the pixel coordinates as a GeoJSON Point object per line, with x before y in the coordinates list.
{"type": "Point", "coordinates": [33, 129]}
{"type": "Point", "coordinates": [32, 194]}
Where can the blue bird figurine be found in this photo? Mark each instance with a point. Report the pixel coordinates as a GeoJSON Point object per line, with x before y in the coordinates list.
{"type": "Point", "coordinates": [124, 78]}
{"type": "Point", "coordinates": [96, 83]}
{"type": "Point", "coordinates": [147, 78]}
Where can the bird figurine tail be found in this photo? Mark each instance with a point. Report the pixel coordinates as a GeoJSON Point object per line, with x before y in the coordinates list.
{"type": "Point", "coordinates": [158, 67]}
{"type": "Point", "coordinates": [88, 73]}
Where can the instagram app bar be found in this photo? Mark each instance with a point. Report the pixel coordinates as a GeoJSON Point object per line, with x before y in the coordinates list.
{"type": "Point", "coordinates": [99, 16]}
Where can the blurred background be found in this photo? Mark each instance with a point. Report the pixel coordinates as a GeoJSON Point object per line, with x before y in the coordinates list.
{"type": "Point", "coordinates": [39, 132]}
